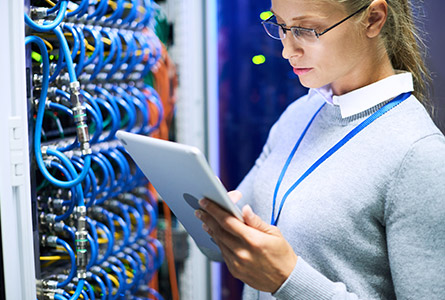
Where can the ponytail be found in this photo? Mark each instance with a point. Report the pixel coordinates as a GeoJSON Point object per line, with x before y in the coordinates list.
{"type": "Point", "coordinates": [406, 48]}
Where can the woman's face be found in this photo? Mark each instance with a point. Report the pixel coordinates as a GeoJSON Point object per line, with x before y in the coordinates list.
{"type": "Point", "coordinates": [338, 57]}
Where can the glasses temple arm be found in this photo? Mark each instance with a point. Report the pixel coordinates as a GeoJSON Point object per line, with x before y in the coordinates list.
{"type": "Point", "coordinates": [344, 20]}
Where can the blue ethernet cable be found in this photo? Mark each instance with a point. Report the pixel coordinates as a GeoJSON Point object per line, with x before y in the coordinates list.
{"type": "Point", "coordinates": [117, 13]}
{"type": "Point", "coordinates": [121, 279]}
{"type": "Point", "coordinates": [58, 69]}
{"type": "Point", "coordinates": [90, 181]}
{"type": "Point", "coordinates": [117, 61]}
{"type": "Point", "coordinates": [122, 256]}
{"type": "Point", "coordinates": [76, 47]}
{"type": "Point", "coordinates": [76, 40]}
{"type": "Point", "coordinates": [156, 45]}
{"type": "Point", "coordinates": [94, 251]}
{"type": "Point", "coordinates": [81, 59]}
{"type": "Point", "coordinates": [79, 290]}
{"type": "Point", "coordinates": [79, 11]}
{"type": "Point", "coordinates": [91, 100]}
{"type": "Point", "coordinates": [132, 14]}
{"type": "Point", "coordinates": [49, 26]}
{"type": "Point", "coordinates": [54, 9]}
{"type": "Point", "coordinates": [159, 251]}
{"type": "Point", "coordinates": [123, 209]}
{"type": "Point", "coordinates": [110, 243]}
{"type": "Point", "coordinates": [100, 11]}
{"type": "Point", "coordinates": [66, 53]}
{"type": "Point", "coordinates": [140, 272]}
{"type": "Point", "coordinates": [136, 203]}
{"type": "Point", "coordinates": [139, 223]}
{"type": "Point", "coordinates": [67, 111]}
{"type": "Point", "coordinates": [132, 49]}
{"type": "Point", "coordinates": [140, 102]}
{"type": "Point", "coordinates": [128, 112]}
{"type": "Point", "coordinates": [125, 231]}
{"type": "Point", "coordinates": [105, 177]}
{"type": "Point", "coordinates": [109, 284]}
{"type": "Point", "coordinates": [71, 234]}
{"type": "Point", "coordinates": [113, 260]}
{"type": "Point", "coordinates": [127, 103]}
{"type": "Point", "coordinates": [114, 119]}
{"type": "Point", "coordinates": [59, 297]}
{"type": "Point", "coordinates": [90, 291]}
{"type": "Point", "coordinates": [39, 122]}
{"type": "Point", "coordinates": [73, 262]}
{"type": "Point", "coordinates": [100, 56]}
{"type": "Point", "coordinates": [153, 217]}
{"type": "Point", "coordinates": [92, 226]}
{"type": "Point", "coordinates": [109, 190]}
{"type": "Point", "coordinates": [66, 173]}
{"type": "Point", "coordinates": [112, 101]}
{"type": "Point", "coordinates": [137, 59]}
{"type": "Point", "coordinates": [123, 166]}
{"type": "Point", "coordinates": [100, 282]}
{"type": "Point", "coordinates": [117, 186]}
{"type": "Point", "coordinates": [98, 44]}
{"type": "Point", "coordinates": [149, 262]}
{"type": "Point", "coordinates": [129, 45]}
{"type": "Point", "coordinates": [148, 14]}
{"type": "Point", "coordinates": [113, 46]}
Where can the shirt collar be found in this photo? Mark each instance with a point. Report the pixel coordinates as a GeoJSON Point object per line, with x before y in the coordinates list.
{"type": "Point", "coordinates": [369, 96]}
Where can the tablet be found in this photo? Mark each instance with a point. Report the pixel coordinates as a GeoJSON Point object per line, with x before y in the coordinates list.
{"type": "Point", "coordinates": [182, 176]}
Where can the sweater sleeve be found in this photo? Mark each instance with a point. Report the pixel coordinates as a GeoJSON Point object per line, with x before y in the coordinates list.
{"type": "Point", "coordinates": [415, 222]}
{"type": "Point", "coordinates": [415, 232]}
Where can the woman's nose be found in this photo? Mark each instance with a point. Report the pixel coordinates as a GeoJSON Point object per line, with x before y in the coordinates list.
{"type": "Point", "coordinates": [291, 47]}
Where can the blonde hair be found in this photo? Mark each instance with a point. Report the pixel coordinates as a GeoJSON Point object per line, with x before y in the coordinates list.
{"type": "Point", "coordinates": [404, 45]}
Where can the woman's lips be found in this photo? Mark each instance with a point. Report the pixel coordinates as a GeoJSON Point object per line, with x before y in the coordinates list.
{"type": "Point", "coordinates": [301, 71]}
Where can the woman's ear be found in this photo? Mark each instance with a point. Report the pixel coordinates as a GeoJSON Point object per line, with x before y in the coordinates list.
{"type": "Point", "coordinates": [377, 14]}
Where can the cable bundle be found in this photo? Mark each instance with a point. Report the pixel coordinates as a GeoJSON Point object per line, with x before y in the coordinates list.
{"type": "Point", "coordinates": [96, 215]}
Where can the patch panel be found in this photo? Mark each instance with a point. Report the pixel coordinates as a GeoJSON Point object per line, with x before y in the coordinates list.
{"type": "Point", "coordinates": [94, 211]}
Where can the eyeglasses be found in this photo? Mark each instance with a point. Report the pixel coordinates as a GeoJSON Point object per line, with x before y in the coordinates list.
{"type": "Point", "coordinates": [278, 31]}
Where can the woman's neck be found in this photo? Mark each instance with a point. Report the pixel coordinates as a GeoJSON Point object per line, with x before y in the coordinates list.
{"type": "Point", "coordinates": [369, 70]}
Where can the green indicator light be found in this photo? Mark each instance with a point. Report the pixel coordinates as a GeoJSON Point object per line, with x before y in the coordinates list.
{"type": "Point", "coordinates": [82, 240]}
{"type": "Point", "coordinates": [259, 59]}
{"type": "Point", "coordinates": [81, 251]}
{"type": "Point", "coordinates": [36, 56]}
{"type": "Point", "coordinates": [51, 57]}
{"type": "Point", "coordinates": [266, 15]}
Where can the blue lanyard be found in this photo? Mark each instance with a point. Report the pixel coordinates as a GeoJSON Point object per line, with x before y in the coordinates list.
{"type": "Point", "coordinates": [387, 107]}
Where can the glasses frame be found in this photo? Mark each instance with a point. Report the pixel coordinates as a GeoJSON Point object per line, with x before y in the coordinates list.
{"type": "Point", "coordinates": [295, 29]}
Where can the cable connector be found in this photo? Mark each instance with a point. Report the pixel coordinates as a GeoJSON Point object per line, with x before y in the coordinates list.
{"type": "Point", "coordinates": [81, 242]}
{"type": "Point", "coordinates": [81, 251]}
{"type": "Point", "coordinates": [80, 118]}
{"type": "Point", "coordinates": [39, 12]}
{"type": "Point", "coordinates": [51, 240]}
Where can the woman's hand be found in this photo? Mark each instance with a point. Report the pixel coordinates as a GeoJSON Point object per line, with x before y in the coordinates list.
{"type": "Point", "coordinates": [255, 252]}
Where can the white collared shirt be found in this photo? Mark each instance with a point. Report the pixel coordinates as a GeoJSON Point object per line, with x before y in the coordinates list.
{"type": "Point", "coordinates": [368, 96]}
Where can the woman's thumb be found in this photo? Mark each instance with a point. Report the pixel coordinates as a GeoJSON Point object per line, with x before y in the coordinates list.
{"type": "Point", "coordinates": [251, 219]}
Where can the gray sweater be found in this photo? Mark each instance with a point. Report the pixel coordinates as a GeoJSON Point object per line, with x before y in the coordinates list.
{"type": "Point", "coordinates": [369, 223]}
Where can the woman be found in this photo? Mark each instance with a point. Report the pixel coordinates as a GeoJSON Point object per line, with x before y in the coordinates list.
{"type": "Point", "coordinates": [351, 177]}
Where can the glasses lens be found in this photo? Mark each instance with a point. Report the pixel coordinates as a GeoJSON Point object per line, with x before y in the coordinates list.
{"type": "Point", "coordinates": [273, 30]}
{"type": "Point", "coordinates": [303, 34]}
